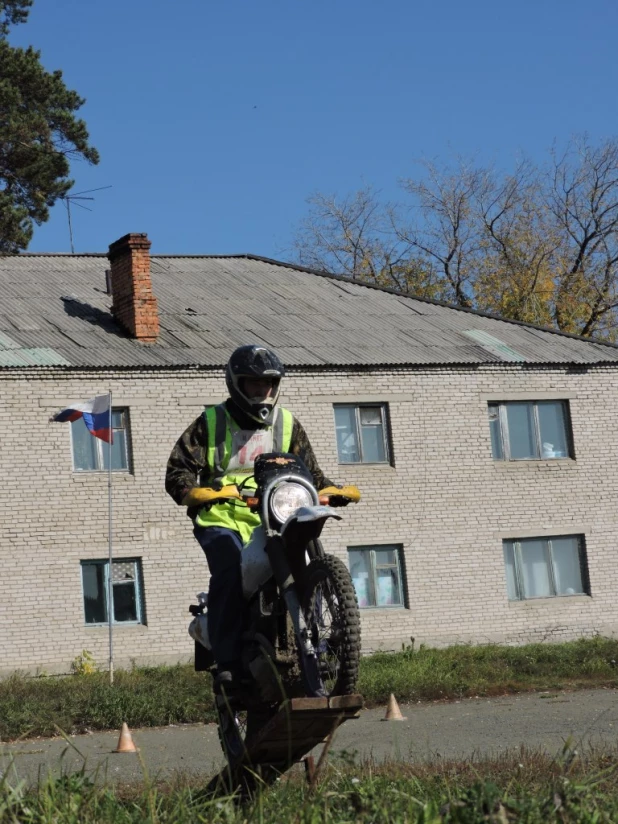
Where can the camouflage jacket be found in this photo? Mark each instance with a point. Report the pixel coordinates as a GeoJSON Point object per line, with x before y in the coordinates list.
{"type": "Point", "coordinates": [189, 457]}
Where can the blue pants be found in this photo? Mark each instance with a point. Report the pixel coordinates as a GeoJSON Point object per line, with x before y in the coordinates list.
{"type": "Point", "coordinates": [226, 604]}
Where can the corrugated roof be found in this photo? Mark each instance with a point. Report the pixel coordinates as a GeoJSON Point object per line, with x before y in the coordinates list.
{"type": "Point", "coordinates": [54, 310]}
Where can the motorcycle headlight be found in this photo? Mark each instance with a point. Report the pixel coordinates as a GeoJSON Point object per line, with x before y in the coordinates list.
{"type": "Point", "coordinates": [287, 498]}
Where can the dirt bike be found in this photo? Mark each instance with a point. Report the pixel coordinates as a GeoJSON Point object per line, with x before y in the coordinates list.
{"type": "Point", "coordinates": [302, 631]}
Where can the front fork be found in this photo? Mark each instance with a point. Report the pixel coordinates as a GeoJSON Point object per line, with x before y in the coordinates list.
{"type": "Point", "coordinates": [285, 580]}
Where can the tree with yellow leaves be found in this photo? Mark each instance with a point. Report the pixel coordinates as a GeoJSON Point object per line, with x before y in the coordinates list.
{"type": "Point", "coordinates": [539, 245]}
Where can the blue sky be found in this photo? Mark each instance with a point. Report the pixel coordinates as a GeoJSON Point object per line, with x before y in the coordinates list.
{"type": "Point", "coordinates": [215, 119]}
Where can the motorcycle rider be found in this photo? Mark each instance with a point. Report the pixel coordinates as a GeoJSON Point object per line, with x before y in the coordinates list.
{"type": "Point", "coordinates": [219, 449]}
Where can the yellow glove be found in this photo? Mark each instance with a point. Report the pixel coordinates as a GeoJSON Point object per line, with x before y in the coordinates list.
{"type": "Point", "coordinates": [341, 494]}
{"type": "Point", "coordinates": [200, 495]}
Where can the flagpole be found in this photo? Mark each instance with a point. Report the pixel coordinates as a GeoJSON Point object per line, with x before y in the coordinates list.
{"type": "Point", "coordinates": [110, 601]}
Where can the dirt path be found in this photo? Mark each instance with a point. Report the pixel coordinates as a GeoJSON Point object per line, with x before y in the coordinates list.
{"type": "Point", "coordinates": [463, 729]}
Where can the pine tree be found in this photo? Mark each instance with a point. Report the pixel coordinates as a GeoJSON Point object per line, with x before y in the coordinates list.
{"type": "Point", "coordinates": [39, 135]}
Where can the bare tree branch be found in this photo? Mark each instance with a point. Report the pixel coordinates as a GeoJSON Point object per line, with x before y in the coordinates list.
{"type": "Point", "coordinates": [538, 245]}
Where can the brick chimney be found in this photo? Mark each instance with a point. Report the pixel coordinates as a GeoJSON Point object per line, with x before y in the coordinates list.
{"type": "Point", "coordinates": [133, 304]}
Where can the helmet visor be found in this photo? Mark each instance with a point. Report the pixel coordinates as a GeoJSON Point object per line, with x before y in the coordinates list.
{"type": "Point", "coordinates": [258, 389]}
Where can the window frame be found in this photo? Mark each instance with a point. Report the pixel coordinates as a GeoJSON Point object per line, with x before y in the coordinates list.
{"type": "Point", "coordinates": [139, 591]}
{"type": "Point", "coordinates": [384, 415]}
{"type": "Point", "coordinates": [371, 549]}
{"type": "Point", "coordinates": [101, 445]}
{"type": "Point", "coordinates": [582, 557]}
{"type": "Point", "coordinates": [505, 443]}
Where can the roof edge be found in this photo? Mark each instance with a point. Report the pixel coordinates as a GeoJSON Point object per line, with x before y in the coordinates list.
{"type": "Point", "coordinates": [303, 367]}
{"type": "Point", "coordinates": [55, 254]}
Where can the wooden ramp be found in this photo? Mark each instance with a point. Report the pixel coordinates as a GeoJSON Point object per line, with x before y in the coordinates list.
{"type": "Point", "coordinates": [299, 725]}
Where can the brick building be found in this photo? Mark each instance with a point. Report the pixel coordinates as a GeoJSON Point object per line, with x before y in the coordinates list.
{"type": "Point", "coordinates": [485, 450]}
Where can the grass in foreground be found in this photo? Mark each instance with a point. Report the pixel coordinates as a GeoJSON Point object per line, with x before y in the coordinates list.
{"type": "Point", "coordinates": [519, 786]}
{"type": "Point", "coordinates": [174, 695]}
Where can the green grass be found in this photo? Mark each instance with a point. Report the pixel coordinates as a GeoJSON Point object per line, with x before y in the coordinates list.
{"type": "Point", "coordinates": [518, 786]}
{"type": "Point", "coordinates": [144, 697]}
{"type": "Point", "coordinates": [463, 671]}
{"type": "Point", "coordinates": [165, 695]}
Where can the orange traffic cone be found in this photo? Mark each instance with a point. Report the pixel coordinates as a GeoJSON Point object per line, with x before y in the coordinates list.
{"type": "Point", "coordinates": [125, 742]}
{"type": "Point", "coordinates": [393, 713]}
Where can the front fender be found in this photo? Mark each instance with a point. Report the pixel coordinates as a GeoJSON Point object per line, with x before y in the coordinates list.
{"type": "Point", "coordinates": [306, 524]}
{"type": "Point", "coordinates": [309, 514]}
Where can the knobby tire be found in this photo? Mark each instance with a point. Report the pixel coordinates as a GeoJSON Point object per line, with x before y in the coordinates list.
{"type": "Point", "coordinates": [234, 742]}
{"type": "Point", "coordinates": [330, 577]}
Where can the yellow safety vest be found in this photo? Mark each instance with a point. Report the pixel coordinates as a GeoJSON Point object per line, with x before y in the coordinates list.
{"type": "Point", "coordinates": [231, 454]}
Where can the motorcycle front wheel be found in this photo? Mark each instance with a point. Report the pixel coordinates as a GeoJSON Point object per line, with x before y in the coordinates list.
{"type": "Point", "coordinates": [331, 613]}
{"type": "Point", "coordinates": [232, 729]}
{"type": "Point", "coordinates": [237, 726]}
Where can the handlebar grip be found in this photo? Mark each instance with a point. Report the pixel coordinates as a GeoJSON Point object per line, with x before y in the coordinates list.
{"type": "Point", "coordinates": [225, 492]}
{"type": "Point", "coordinates": [200, 495]}
{"type": "Point", "coordinates": [350, 492]}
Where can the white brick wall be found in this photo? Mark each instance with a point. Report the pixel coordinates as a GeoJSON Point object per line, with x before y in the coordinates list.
{"type": "Point", "coordinates": [445, 500]}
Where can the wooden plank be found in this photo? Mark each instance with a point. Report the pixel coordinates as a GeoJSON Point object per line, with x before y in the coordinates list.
{"type": "Point", "coordinates": [281, 734]}
{"type": "Point", "coordinates": [279, 725]}
{"type": "Point", "coordinates": [307, 704]}
{"type": "Point", "coordinates": [317, 731]}
{"type": "Point", "coordinates": [299, 726]}
{"type": "Point", "coordinates": [341, 702]}
{"type": "Point", "coordinates": [293, 724]}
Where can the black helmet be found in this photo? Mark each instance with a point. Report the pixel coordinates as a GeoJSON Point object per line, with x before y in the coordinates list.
{"type": "Point", "coordinates": [254, 362]}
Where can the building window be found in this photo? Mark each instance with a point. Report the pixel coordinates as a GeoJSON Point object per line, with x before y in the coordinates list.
{"type": "Point", "coordinates": [530, 431]}
{"type": "Point", "coordinates": [545, 567]}
{"type": "Point", "coordinates": [91, 454]}
{"type": "Point", "coordinates": [361, 433]}
{"type": "Point", "coordinates": [127, 597]}
{"type": "Point", "coordinates": [376, 573]}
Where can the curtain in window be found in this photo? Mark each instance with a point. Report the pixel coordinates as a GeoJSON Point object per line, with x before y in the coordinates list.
{"type": "Point", "coordinates": [521, 430]}
{"type": "Point", "coordinates": [360, 570]}
{"type": "Point", "coordinates": [553, 430]}
{"type": "Point", "coordinates": [509, 565]}
{"type": "Point", "coordinates": [534, 569]}
{"type": "Point", "coordinates": [84, 446]}
{"type": "Point", "coordinates": [567, 570]}
{"type": "Point", "coordinates": [345, 425]}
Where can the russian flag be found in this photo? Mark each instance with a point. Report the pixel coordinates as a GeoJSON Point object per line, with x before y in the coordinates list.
{"type": "Point", "coordinates": [96, 415]}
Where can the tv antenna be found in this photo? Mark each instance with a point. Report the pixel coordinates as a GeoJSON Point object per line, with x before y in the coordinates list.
{"type": "Point", "coordinates": [76, 198]}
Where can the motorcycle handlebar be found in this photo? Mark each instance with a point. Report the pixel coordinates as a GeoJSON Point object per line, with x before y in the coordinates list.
{"type": "Point", "coordinates": [203, 495]}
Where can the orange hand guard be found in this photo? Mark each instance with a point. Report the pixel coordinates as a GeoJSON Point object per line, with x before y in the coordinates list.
{"type": "Point", "coordinates": [351, 492]}
{"type": "Point", "coordinates": [200, 495]}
